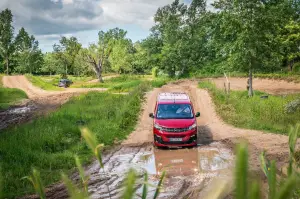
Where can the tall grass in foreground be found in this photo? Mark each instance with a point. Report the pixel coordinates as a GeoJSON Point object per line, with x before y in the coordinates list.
{"type": "Point", "coordinates": [244, 187]}
{"type": "Point", "coordinates": [253, 113]}
{"type": "Point", "coordinates": [49, 143]}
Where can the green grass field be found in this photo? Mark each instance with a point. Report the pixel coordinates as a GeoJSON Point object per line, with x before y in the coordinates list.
{"type": "Point", "coordinates": [10, 96]}
{"type": "Point", "coordinates": [254, 113]}
{"type": "Point", "coordinates": [50, 143]}
{"type": "Point", "coordinates": [45, 82]}
{"type": "Point", "coordinates": [123, 83]}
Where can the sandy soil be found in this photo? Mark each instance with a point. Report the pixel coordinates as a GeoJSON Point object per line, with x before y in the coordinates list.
{"type": "Point", "coordinates": [271, 86]}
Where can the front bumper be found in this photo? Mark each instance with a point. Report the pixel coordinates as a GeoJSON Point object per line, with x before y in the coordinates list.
{"type": "Point", "coordinates": [162, 139]}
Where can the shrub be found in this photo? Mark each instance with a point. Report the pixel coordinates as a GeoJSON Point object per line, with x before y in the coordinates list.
{"type": "Point", "coordinates": [154, 72]}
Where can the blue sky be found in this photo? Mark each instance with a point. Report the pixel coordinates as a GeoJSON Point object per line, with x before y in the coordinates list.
{"type": "Point", "coordinates": [48, 20]}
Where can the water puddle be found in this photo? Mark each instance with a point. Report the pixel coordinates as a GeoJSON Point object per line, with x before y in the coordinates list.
{"type": "Point", "coordinates": [185, 162]}
{"type": "Point", "coordinates": [186, 170]}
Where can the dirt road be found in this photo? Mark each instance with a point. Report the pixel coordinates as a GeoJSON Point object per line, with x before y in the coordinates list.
{"type": "Point", "coordinates": [40, 101]}
{"type": "Point", "coordinates": [277, 87]}
{"type": "Point", "coordinates": [190, 172]}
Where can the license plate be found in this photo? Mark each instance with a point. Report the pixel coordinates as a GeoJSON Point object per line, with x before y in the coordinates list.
{"type": "Point", "coordinates": [175, 139]}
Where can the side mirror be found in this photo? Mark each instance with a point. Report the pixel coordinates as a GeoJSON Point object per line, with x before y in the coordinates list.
{"type": "Point", "coordinates": [197, 114]}
{"type": "Point", "coordinates": [151, 115]}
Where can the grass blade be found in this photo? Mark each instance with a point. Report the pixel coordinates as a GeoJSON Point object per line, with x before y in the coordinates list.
{"type": "Point", "coordinates": [241, 172]}
{"type": "Point", "coordinates": [255, 191]}
{"type": "Point", "coordinates": [145, 188]}
{"type": "Point", "coordinates": [286, 191]}
{"type": "Point", "coordinates": [272, 180]}
{"type": "Point", "coordinates": [157, 191]}
{"type": "Point", "coordinates": [73, 191]}
{"type": "Point", "coordinates": [98, 154]}
{"type": "Point", "coordinates": [89, 138]}
{"type": "Point", "coordinates": [1, 184]}
{"type": "Point", "coordinates": [129, 185]}
{"type": "Point", "coordinates": [84, 179]}
{"type": "Point", "coordinates": [36, 181]}
{"type": "Point", "coordinates": [263, 164]}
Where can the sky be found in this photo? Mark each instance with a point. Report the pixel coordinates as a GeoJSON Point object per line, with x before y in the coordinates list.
{"type": "Point", "coordinates": [48, 20]}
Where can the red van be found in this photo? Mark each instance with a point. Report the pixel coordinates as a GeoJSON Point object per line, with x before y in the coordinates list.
{"type": "Point", "coordinates": [174, 121]}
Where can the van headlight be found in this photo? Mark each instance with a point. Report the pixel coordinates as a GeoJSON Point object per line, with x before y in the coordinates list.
{"type": "Point", "coordinates": [193, 126]}
{"type": "Point", "coordinates": [158, 127]}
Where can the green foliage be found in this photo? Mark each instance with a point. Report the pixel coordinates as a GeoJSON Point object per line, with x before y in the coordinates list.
{"type": "Point", "coordinates": [10, 96]}
{"type": "Point", "coordinates": [6, 37]}
{"type": "Point", "coordinates": [73, 191]}
{"type": "Point", "coordinates": [296, 68]}
{"type": "Point", "coordinates": [36, 181]}
{"type": "Point", "coordinates": [28, 55]}
{"type": "Point", "coordinates": [129, 185]}
{"type": "Point", "coordinates": [159, 185]}
{"type": "Point", "coordinates": [241, 171]}
{"type": "Point", "coordinates": [83, 177]}
{"type": "Point", "coordinates": [154, 72]}
{"type": "Point", "coordinates": [49, 143]}
{"type": "Point", "coordinates": [254, 113]}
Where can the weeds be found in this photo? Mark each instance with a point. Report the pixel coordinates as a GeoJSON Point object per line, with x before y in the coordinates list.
{"type": "Point", "coordinates": [254, 113]}
{"type": "Point", "coordinates": [36, 181]}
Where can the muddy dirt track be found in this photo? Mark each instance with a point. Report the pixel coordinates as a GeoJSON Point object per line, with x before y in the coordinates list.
{"type": "Point", "coordinates": [190, 172]}
{"type": "Point", "coordinates": [271, 86]}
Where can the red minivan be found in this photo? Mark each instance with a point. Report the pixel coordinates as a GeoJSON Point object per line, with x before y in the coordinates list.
{"type": "Point", "coordinates": [174, 121]}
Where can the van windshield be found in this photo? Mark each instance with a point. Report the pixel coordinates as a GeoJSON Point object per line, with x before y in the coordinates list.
{"type": "Point", "coordinates": [174, 111]}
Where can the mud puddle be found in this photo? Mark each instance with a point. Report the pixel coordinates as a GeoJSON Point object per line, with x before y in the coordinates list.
{"type": "Point", "coordinates": [16, 115]}
{"type": "Point", "coordinates": [186, 170]}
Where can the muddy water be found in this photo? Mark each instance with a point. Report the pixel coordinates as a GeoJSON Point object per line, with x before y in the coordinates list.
{"type": "Point", "coordinates": [16, 115]}
{"type": "Point", "coordinates": [187, 170]}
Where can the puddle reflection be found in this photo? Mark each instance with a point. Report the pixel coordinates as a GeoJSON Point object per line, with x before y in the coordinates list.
{"type": "Point", "coordinates": [185, 162]}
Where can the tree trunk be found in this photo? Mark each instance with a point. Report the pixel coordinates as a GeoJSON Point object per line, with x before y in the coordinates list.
{"type": "Point", "coordinates": [250, 90]}
{"type": "Point", "coordinates": [7, 64]}
{"type": "Point", "coordinates": [99, 72]}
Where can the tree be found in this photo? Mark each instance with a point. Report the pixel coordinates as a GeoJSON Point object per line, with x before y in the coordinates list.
{"type": "Point", "coordinates": [121, 57]}
{"type": "Point", "coordinates": [66, 52]}
{"type": "Point", "coordinates": [248, 27]}
{"type": "Point", "coordinates": [6, 37]}
{"type": "Point", "coordinates": [98, 55]}
{"type": "Point", "coordinates": [29, 56]}
{"type": "Point", "coordinates": [290, 40]}
{"type": "Point", "coordinates": [169, 24]}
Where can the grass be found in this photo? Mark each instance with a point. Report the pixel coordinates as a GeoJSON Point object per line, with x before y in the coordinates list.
{"type": "Point", "coordinates": [45, 82]}
{"type": "Point", "coordinates": [124, 83]}
{"type": "Point", "coordinates": [254, 113]}
{"type": "Point", "coordinates": [50, 143]}
{"type": "Point", "coordinates": [290, 77]}
{"type": "Point", "coordinates": [10, 96]}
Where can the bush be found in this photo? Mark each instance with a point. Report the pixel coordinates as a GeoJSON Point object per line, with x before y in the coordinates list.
{"type": "Point", "coordinates": [296, 68]}
{"type": "Point", "coordinates": [154, 72]}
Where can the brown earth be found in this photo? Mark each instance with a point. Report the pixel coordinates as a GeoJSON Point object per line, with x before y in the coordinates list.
{"type": "Point", "coordinates": [191, 172]}
{"type": "Point", "coordinates": [270, 86]}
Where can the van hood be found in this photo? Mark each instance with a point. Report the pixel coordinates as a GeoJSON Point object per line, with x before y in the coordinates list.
{"type": "Point", "coordinates": [175, 123]}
